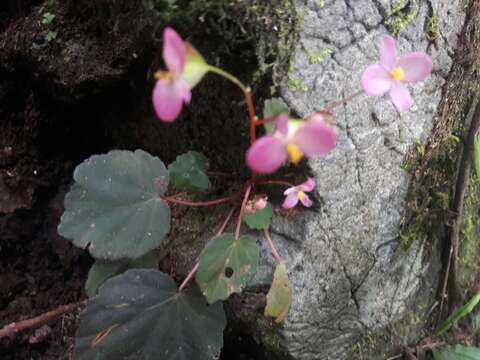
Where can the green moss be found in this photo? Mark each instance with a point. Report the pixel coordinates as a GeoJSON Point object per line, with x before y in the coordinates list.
{"type": "Point", "coordinates": [295, 83]}
{"type": "Point", "coordinates": [401, 15]}
{"type": "Point", "coordinates": [432, 29]}
{"type": "Point", "coordinates": [469, 248]}
{"type": "Point", "coordinates": [316, 57]}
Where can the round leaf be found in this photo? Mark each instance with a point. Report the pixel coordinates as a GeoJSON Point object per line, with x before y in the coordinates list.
{"type": "Point", "coordinates": [279, 297]}
{"type": "Point", "coordinates": [188, 172]}
{"type": "Point", "coordinates": [226, 266]}
{"type": "Point", "coordinates": [115, 208]}
{"type": "Point", "coordinates": [140, 315]}
{"type": "Point", "coordinates": [103, 270]}
{"type": "Point", "coordinates": [260, 219]}
{"type": "Point", "coordinates": [457, 352]}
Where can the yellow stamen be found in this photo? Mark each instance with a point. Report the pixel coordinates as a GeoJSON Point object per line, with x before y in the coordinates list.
{"type": "Point", "coordinates": [397, 73]}
{"type": "Point", "coordinates": [294, 153]}
{"type": "Point", "coordinates": [301, 195]}
{"type": "Point", "coordinates": [163, 75]}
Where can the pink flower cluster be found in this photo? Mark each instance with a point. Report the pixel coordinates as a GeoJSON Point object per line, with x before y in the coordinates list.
{"type": "Point", "coordinates": [292, 139]}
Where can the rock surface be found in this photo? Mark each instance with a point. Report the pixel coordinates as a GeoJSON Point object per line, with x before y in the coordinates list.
{"type": "Point", "coordinates": [350, 278]}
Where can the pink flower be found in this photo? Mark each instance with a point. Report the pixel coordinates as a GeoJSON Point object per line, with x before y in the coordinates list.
{"type": "Point", "coordinates": [185, 67]}
{"type": "Point", "coordinates": [296, 193]}
{"type": "Point", "coordinates": [292, 139]}
{"type": "Point", "coordinates": [391, 73]}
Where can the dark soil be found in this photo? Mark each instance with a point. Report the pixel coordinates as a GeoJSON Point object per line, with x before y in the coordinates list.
{"type": "Point", "coordinates": [85, 92]}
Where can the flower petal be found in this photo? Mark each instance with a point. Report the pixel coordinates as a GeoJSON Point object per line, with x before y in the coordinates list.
{"type": "Point", "coordinates": [315, 138]}
{"type": "Point", "coordinates": [168, 97]}
{"type": "Point", "coordinates": [195, 66]}
{"type": "Point", "coordinates": [416, 66]}
{"type": "Point", "coordinates": [290, 201]}
{"type": "Point", "coordinates": [291, 190]}
{"type": "Point", "coordinates": [308, 185]}
{"type": "Point", "coordinates": [388, 52]}
{"type": "Point", "coordinates": [174, 51]}
{"type": "Point", "coordinates": [282, 124]}
{"type": "Point", "coordinates": [376, 80]}
{"type": "Point", "coordinates": [267, 154]}
{"type": "Point", "coordinates": [306, 201]}
{"type": "Point", "coordinates": [400, 96]}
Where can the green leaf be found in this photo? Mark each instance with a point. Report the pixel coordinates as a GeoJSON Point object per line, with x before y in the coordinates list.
{"type": "Point", "coordinates": [103, 270]}
{"type": "Point", "coordinates": [279, 297]}
{"type": "Point", "coordinates": [188, 172]}
{"type": "Point", "coordinates": [141, 315]}
{"type": "Point", "coordinates": [260, 219]}
{"type": "Point", "coordinates": [476, 154]}
{"type": "Point", "coordinates": [274, 107]}
{"type": "Point", "coordinates": [459, 313]}
{"type": "Point", "coordinates": [457, 352]}
{"type": "Point", "coordinates": [226, 266]}
{"type": "Point", "coordinates": [115, 205]}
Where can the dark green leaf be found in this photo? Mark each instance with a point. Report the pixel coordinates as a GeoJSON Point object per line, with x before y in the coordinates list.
{"type": "Point", "coordinates": [188, 172]}
{"type": "Point", "coordinates": [457, 352]}
{"type": "Point", "coordinates": [140, 315]}
{"type": "Point", "coordinates": [274, 107]}
{"type": "Point", "coordinates": [226, 266]}
{"type": "Point", "coordinates": [115, 207]}
{"type": "Point", "coordinates": [260, 219]}
{"type": "Point", "coordinates": [103, 270]}
{"type": "Point", "coordinates": [279, 297]}
{"type": "Point", "coordinates": [459, 313]}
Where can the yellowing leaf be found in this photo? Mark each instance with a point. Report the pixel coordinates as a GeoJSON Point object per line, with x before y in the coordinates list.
{"type": "Point", "coordinates": [279, 297]}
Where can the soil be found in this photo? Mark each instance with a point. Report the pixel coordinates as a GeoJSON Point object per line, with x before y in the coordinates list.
{"type": "Point", "coordinates": [85, 92]}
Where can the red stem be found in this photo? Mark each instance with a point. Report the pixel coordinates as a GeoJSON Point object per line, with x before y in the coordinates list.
{"type": "Point", "coordinates": [225, 223]}
{"type": "Point", "coordinates": [338, 103]}
{"type": "Point", "coordinates": [242, 209]}
{"type": "Point", "coordinates": [266, 120]}
{"type": "Point", "coordinates": [189, 276]}
{"type": "Point", "coordinates": [195, 268]}
{"type": "Point", "coordinates": [172, 200]}
{"type": "Point", "coordinates": [15, 327]}
{"type": "Point", "coordinates": [274, 182]}
{"type": "Point", "coordinates": [272, 247]}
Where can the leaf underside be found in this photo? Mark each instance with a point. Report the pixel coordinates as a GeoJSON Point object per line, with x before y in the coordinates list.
{"type": "Point", "coordinates": [114, 207]}
{"type": "Point", "coordinates": [274, 107]}
{"type": "Point", "coordinates": [140, 315]}
{"type": "Point", "coordinates": [103, 270]}
{"type": "Point", "coordinates": [188, 172]}
{"type": "Point", "coordinates": [457, 352]}
{"type": "Point", "coordinates": [279, 297]}
{"type": "Point", "coordinates": [260, 219]}
{"type": "Point", "coordinates": [226, 266]}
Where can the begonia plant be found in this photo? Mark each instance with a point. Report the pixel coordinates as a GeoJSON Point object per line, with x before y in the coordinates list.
{"type": "Point", "coordinates": [119, 209]}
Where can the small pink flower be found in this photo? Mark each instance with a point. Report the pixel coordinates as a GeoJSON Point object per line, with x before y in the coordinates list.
{"type": "Point", "coordinates": [292, 139]}
{"type": "Point", "coordinates": [185, 67]}
{"type": "Point", "coordinates": [258, 202]}
{"type": "Point", "coordinates": [391, 73]}
{"type": "Point", "coordinates": [296, 193]}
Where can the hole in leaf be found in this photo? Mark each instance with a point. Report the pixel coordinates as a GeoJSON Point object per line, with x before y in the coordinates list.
{"type": "Point", "coordinates": [228, 272]}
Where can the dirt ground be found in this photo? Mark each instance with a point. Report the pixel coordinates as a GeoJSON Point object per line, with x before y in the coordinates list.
{"type": "Point", "coordinates": [85, 91]}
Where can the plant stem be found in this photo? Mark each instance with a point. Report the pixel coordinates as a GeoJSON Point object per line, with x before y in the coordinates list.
{"type": "Point", "coordinates": [247, 92]}
{"type": "Point", "coordinates": [15, 327]}
{"type": "Point", "coordinates": [266, 120]}
{"type": "Point", "coordinates": [275, 182]}
{"type": "Point", "coordinates": [195, 268]}
{"type": "Point", "coordinates": [272, 247]}
{"type": "Point", "coordinates": [171, 199]}
{"type": "Point", "coordinates": [338, 103]}
{"type": "Point", "coordinates": [225, 223]}
{"type": "Point", "coordinates": [242, 209]}
{"type": "Point", "coordinates": [189, 276]}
